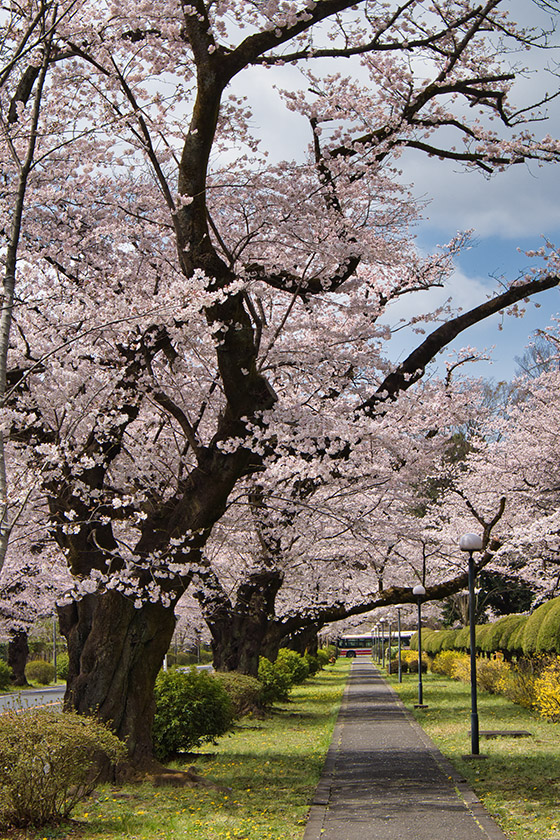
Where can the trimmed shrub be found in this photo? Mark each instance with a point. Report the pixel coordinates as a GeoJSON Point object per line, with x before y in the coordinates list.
{"type": "Point", "coordinates": [448, 639]}
{"type": "Point", "coordinates": [48, 763]}
{"type": "Point", "coordinates": [245, 692]}
{"type": "Point", "coordinates": [483, 633]}
{"type": "Point", "coordinates": [293, 664]}
{"type": "Point", "coordinates": [533, 625]}
{"type": "Point", "coordinates": [463, 639]}
{"type": "Point", "coordinates": [548, 635]}
{"type": "Point", "coordinates": [276, 683]}
{"type": "Point", "coordinates": [499, 632]}
{"type": "Point", "coordinates": [515, 639]}
{"type": "Point", "coordinates": [5, 674]}
{"type": "Point", "coordinates": [191, 707]}
{"type": "Point", "coordinates": [431, 641]}
{"type": "Point", "coordinates": [40, 671]}
{"type": "Point", "coordinates": [426, 636]}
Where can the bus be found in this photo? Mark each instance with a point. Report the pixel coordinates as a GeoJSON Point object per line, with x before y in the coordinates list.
{"type": "Point", "coordinates": [354, 645]}
{"type": "Point", "coordinates": [359, 644]}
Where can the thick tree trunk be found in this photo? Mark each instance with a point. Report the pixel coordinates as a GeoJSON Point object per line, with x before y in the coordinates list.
{"type": "Point", "coordinates": [236, 643]}
{"type": "Point", "coordinates": [238, 630]}
{"type": "Point", "coordinates": [18, 651]}
{"type": "Point", "coordinates": [115, 653]}
{"type": "Point", "coordinates": [303, 641]}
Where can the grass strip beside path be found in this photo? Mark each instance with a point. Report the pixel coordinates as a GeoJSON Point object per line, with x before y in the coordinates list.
{"type": "Point", "coordinates": [519, 781]}
{"type": "Point", "coordinates": [267, 771]}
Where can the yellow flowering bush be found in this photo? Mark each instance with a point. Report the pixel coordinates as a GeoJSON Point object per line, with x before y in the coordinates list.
{"type": "Point", "coordinates": [518, 684]}
{"type": "Point", "coordinates": [461, 667]}
{"type": "Point", "coordinates": [444, 662]}
{"type": "Point", "coordinates": [547, 691]}
{"type": "Point", "coordinates": [491, 674]}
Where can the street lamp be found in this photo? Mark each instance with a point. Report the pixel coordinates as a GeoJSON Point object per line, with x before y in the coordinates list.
{"type": "Point", "coordinates": [382, 623]}
{"type": "Point", "coordinates": [471, 543]}
{"type": "Point", "coordinates": [399, 647]}
{"type": "Point", "coordinates": [389, 648]}
{"type": "Point", "coordinates": [419, 593]}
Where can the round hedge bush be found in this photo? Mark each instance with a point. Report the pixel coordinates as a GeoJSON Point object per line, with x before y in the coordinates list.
{"type": "Point", "coordinates": [40, 671]}
{"type": "Point", "coordinates": [294, 664]}
{"type": "Point", "coordinates": [245, 692]}
{"type": "Point", "coordinates": [49, 761]}
{"type": "Point", "coordinates": [191, 707]}
{"type": "Point", "coordinates": [276, 682]}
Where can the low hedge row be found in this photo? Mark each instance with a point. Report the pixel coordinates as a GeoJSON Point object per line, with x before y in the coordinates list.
{"type": "Point", "coordinates": [511, 635]}
{"type": "Point", "coordinates": [194, 707]}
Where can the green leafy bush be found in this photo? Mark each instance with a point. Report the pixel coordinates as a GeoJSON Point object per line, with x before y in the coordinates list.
{"type": "Point", "coordinates": [294, 664]}
{"type": "Point", "coordinates": [331, 652]}
{"type": "Point", "coordinates": [48, 763]}
{"type": "Point", "coordinates": [191, 707]}
{"type": "Point", "coordinates": [533, 625]}
{"type": "Point", "coordinates": [62, 665]}
{"type": "Point", "coordinates": [312, 663]}
{"type": "Point", "coordinates": [245, 692]}
{"type": "Point", "coordinates": [5, 674]}
{"type": "Point", "coordinates": [40, 671]}
{"type": "Point", "coordinates": [323, 657]}
{"type": "Point", "coordinates": [276, 682]}
{"type": "Point", "coordinates": [514, 643]}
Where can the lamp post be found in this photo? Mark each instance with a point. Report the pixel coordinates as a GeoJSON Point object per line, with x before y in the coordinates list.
{"type": "Point", "coordinates": [389, 648]}
{"type": "Point", "coordinates": [382, 623]}
{"type": "Point", "coordinates": [471, 543]}
{"type": "Point", "coordinates": [419, 593]}
{"type": "Point", "coordinates": [399, 643]}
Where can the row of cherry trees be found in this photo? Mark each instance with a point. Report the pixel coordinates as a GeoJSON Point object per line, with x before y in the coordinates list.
{"type": "Point", "coordinates": [193, 347]}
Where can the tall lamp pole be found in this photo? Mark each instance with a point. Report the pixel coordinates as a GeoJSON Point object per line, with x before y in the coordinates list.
{"type": "Point", "coordinates": [419, 593]}
{"type": "Point", "coordinates": [399, 659]}
{"type": "Point", "coordinates": [471, 543]}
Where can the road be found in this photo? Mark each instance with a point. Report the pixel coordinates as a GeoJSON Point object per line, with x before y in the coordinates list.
{"type": "Point", "coordinates": [51, 697]}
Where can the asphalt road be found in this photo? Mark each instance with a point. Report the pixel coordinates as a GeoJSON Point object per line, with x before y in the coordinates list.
{"type": "Point", "coordinates": [32, 697]}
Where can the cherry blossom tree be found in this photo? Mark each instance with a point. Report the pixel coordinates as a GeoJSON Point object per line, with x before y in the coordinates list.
{"type": "Point", "coordinates": [190, 308]}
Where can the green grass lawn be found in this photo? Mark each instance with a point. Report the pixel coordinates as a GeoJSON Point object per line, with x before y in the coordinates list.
{"type": "Point", "coordinates": [519, 781]}
{"type": "Point", "coordinates": [264, 774]}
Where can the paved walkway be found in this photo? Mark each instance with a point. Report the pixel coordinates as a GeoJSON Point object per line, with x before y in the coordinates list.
{"type": "Point", "coordinates": [384, 779]}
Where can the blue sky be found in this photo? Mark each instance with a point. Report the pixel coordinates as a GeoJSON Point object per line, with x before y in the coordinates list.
{"type": "Point", "coordinates": [509, 214]}
{"type": "Point", "coordinates": [512, 210]}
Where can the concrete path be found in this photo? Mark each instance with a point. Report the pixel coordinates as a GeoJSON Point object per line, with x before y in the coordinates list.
{"type": "Point", "coordinates": [384, 779]}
